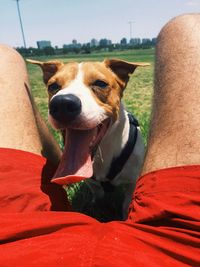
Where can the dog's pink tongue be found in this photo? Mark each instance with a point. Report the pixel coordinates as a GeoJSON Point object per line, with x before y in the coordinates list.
{"type": "Point", "coordinates": [75, 164]}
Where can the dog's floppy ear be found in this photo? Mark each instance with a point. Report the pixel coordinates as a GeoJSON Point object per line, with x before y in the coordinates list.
{"type": "Point", "coordinates": [49, 68]}
{"type": "Point", "coordinates": [123, 68]}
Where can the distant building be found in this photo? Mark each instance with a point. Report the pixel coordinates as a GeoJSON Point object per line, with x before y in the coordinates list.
{"type": "Point", "coordinates": [123, 41]}
{"type": "Point", "coordinates": [74, 42]}
{"type": "Point", "coordinates": [94, 42]}
{"type": "Point", "coordinates": [43, 44]}
{"type": "Point", "coordinates": [105, 42]}
{"type": "Point", "coordinates": [146, 41]}
{"type": "Point", "coordinates": [135, 41]}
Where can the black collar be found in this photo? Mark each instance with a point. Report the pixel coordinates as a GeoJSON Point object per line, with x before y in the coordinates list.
{"type": "Point", "coordinates": [118, 163]}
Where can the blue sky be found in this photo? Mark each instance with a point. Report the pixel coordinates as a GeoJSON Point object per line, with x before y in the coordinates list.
{"type": "Point", "coordinates": [63, 20]}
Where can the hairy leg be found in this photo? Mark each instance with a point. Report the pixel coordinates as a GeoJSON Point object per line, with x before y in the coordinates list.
{"type": "Point", "coordinates": [174, 137]}
{"type": "Point", "coordinates": [21, 125]}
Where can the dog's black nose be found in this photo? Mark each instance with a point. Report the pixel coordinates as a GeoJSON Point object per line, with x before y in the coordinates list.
{"type": "Point", "coordinates": [65, 108]}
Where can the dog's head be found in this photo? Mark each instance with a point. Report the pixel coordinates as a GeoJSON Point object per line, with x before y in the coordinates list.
{"type": "Point", "coordinates": [84, 99]}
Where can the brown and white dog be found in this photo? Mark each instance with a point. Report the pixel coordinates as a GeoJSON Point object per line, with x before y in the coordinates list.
{"type": "Point", "coordinates": [85, 104]}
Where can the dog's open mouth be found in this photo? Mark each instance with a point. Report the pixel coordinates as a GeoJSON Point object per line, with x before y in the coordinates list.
{"type": "Point", "coordinates": [76, 161]}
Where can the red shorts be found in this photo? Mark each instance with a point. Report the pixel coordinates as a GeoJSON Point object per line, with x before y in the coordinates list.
{"type": "Point", "coordinates": [163, 228]}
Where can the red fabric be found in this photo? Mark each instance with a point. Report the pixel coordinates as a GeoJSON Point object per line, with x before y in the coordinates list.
{"type": "Point", "coordinates": [163, 228]}
{"type": "Point", "coordinates": [25, 183]}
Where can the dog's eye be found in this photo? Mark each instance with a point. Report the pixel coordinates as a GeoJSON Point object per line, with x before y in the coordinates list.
{"type": "Point", "coordinates": [100, 84]}
{"type": "Point", "coordinates": [54, 87]}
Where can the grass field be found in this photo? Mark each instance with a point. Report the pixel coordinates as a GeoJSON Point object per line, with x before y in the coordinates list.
{"type": "Point", "coordinates": [137, 99]}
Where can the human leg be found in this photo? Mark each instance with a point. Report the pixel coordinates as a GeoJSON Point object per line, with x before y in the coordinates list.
{"type": "Point", "coordinates": [174, 138]}
{"type": "Point", "coordinates": [167, 197]}
{"type": "Point", "coordinates": [25, 177]}
{"type": "Point", "coordinates": [21, 125]}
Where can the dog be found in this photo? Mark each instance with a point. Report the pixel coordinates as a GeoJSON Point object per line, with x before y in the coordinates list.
{"type": "Point", "coordinates": [103, 142]}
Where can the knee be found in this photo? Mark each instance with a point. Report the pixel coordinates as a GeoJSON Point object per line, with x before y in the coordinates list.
{"type": "Point", "coordinates": [181, 30]}
{"type": "Point", "coordinates": [8, 54]}
{"type": "Point", "coordinates": [178, 42]}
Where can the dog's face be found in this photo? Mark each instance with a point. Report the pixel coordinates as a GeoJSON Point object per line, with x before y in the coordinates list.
{"type": "Point", "coordinates": [84, 100]}
{"type": "Point", "coordinates": [82, 96]}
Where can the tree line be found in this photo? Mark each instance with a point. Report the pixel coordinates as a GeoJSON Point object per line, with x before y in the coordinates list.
{"type": "Point", "coordinates": [83, 48]}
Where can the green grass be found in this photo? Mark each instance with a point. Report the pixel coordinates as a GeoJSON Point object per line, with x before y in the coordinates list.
{"type": "Point", "coordinates": [137, 99]}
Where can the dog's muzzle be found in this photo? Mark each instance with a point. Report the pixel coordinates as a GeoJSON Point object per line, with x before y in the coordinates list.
{"type": "Point", "coordinates": [65, 108]}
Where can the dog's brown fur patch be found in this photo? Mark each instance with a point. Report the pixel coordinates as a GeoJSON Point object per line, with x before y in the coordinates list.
{"type": "Point", "coordinates": [109, 97]}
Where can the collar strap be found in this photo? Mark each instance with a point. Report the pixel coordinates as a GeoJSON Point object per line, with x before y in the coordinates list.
{"type": "Point", "coordinates": [118, 163]}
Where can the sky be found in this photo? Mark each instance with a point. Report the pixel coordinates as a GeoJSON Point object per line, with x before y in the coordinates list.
{"type": "Point", "coordinates": [62, 21]}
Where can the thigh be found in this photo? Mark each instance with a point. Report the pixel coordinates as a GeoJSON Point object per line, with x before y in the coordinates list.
{"type": "Point", "coordinates": [174, 138]}
{"type": "Point", "coordinates": [21, 126]}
